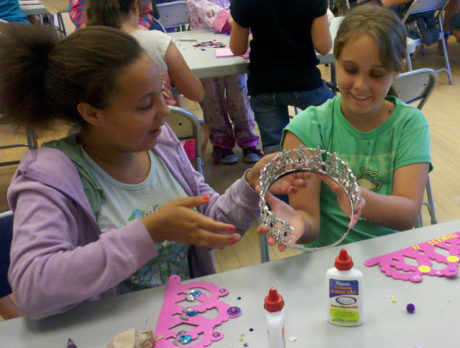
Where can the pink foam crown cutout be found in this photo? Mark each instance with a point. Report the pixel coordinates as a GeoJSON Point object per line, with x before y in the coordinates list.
{"type": "Point", "coordinates": [426, 255]}
{"type": "Point", "coordinates": [202, 297]}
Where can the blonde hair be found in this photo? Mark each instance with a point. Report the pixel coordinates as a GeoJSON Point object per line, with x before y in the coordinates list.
{"type": "Point", "coordinates": [383, 26]}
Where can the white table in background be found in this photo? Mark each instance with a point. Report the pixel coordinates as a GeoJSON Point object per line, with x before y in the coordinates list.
{"type": "Point", "coordinates": [300, 280]}
{"type": "Point", "coordinates": [205, 64]}
{"type": "Point", "coordinates": [31, 10]}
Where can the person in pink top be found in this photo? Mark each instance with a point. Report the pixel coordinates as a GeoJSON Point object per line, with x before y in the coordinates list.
{"type": "Point", "coordinates": [226, 99]}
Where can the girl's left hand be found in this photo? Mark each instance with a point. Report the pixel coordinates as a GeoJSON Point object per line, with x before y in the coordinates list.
{"type": "Point", "coordinates": [343, 201]}
{"type": "Point", "coordinates": [286, 185]}
{"type": "Point", "coordinates": [285, 212]}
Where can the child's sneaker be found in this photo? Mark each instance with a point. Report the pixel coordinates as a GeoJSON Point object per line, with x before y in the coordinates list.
{"type": "Point", "coordinates": [252, 154]}
{"type": "Point", "coordinates": [224, 156]}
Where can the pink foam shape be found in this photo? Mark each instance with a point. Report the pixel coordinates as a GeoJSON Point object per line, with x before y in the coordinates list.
{"type": "Point", "coordinates": [394, 265]}
{"type": "Point", "coordinates": [171, 312]}
{"type": "Point", "coordinates": [224, 52]}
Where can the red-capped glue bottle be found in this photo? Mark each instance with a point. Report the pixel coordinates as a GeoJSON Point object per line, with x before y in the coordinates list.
{"type": "Point", "coordinates": [274, 313]}
{"type": "Point", "coordinates": [345, 292]}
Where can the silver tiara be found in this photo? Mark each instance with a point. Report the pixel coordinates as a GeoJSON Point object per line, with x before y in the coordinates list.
{"type": "Point", "coordinates": [303, 159]}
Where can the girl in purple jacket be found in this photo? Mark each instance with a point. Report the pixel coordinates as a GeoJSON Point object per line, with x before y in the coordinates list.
{"type": "Point", "coordinates": [118, 206]}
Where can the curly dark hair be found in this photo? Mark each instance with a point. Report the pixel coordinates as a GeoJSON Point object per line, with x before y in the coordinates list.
{"type": "Point", "coordinates": [44, 77]}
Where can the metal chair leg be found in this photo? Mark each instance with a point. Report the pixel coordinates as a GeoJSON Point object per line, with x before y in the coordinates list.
{"type": "Point", "coordinates": [446, 60]}
{"type": "Point", "coordinates": [264, 253]}
{"type": "Point", "coordinates": [409, 62]}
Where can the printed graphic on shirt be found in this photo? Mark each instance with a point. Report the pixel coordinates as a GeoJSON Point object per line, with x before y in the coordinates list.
{"type": "Point", "coordinates": [368, 179]}
{"type": "Point", "coordinates": [171, 259]}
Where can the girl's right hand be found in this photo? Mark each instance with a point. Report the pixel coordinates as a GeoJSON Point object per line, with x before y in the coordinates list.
{"type": "Point", "coordinates": [177, 221]}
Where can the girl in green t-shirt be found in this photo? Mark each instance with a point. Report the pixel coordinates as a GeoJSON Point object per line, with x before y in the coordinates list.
{"type": "Point", "coordinates": [384, 141]}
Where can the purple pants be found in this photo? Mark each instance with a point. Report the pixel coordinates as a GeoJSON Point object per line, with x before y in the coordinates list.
{"type": "Point", "coordinates": [226, 101]}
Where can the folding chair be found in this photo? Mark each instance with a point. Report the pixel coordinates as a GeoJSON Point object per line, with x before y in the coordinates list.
{"type": "Point", "coordinates": [187, 126]}
{"type": "Point", "coordinates": [435, 8]}
{"type": "Point", "coordinates": [6, 235]}
{"type": "Point", "coordinates": [31, 144]}
{"type": "Point", "coordinates": [415, 87]}
{"type": "Point", "coordinates": [8, 309]}
{"type": "Point", "coordinates": [174, 14]}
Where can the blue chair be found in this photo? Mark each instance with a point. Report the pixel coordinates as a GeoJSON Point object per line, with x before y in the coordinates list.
{"type": "Point", "coordinates": [156, 25]}
{"type": "Point", "coordinates": [6, 235]}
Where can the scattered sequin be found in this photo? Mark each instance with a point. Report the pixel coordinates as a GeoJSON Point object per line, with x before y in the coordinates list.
{"type": "Point", "coordinates": [238, 298]}
{"type": "Point", "coordinates": [212, 44]}
{"type": "Point", "coordinates": [234, 311]}
{"type": "Point", "coordinates": [393, 299]}
{"type": "Point", "coordinates": [292, 338]}
{"type": "Point", "coordinates": [410, 308]}
{"type": "Point", "coordinates": [251, 329]}
{"type": "Point", "coordinates": [245, 345]}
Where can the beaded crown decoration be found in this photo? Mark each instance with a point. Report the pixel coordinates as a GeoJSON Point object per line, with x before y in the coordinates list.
{"type": "Point", "coordinates": [303, 159]}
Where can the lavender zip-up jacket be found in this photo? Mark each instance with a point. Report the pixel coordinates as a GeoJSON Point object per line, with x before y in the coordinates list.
{"type": "Point", "coordinates": [59, 258]}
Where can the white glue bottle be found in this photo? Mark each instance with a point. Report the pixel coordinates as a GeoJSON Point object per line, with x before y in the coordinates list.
{"type": "Point", "coordinates": [274, 313]}
{"type": "Point", "coordinates": [345, 292]}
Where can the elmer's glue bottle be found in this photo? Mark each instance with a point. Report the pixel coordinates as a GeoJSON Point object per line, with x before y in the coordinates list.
{"type": "Point", "coordinates": [345, 292]}
{"type": "Point", "coordinates": [274, 313]}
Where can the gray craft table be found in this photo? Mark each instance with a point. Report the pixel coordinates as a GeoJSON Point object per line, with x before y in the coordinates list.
{"type": "Point", "coordinates": [300, 280]}
{"type": "Point", "coordinates": [205, 64]}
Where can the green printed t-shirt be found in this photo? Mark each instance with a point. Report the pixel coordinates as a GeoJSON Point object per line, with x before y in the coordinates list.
{"type": "Point", "coordinates": [372, 156]}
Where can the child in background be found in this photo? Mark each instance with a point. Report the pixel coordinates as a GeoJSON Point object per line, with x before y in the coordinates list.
{"type": "Point", "coordinates": [226, 99]}
{"type": "Point", "coordinates": [385, 142]}
{"type": "Point", "coordinates": [117, 202]}
{"type": "Point", "coordinates": [123, 15]}
{"type": "Point", "coordinates": [282, 68]}
{"type": "Point", "coordinates": [77, 13]}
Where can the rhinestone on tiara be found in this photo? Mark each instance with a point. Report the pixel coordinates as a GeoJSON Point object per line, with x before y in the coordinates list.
{"type": "Point", "coordinates": [303, 159]}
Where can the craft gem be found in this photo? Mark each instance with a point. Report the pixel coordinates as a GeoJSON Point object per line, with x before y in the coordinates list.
{"type": "Point", "coordinates": [185, 338]}
{"type": "Point", "coordinates": [452, 258]}
{"type": "Point", "coordinates": [196, 293]}
{"type": "Point", "coordinates": [234, 311]}
{"type": "Point", "coordinates": [424, 268]}
{"type": "Point", "coordinates": [410, 308]}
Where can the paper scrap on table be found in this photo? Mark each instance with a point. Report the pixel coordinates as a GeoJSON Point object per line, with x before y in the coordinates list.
{"type": "Point", "coordinates": [133, 339]}
{"type": "Point", "coordinates": [224, 52]}
{"type": "Point", "coordinates": [227, 52]}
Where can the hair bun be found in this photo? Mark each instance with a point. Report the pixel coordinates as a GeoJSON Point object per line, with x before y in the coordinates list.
{"type": "Point", "coordinates": [24, 57]}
